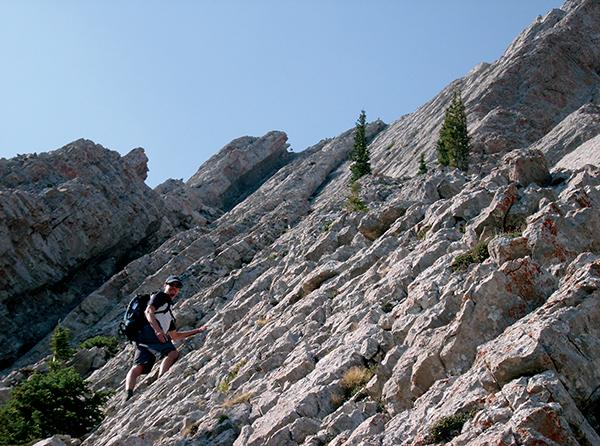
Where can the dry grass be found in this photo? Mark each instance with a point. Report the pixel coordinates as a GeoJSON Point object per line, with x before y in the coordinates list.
{"type": "Point", "coordinates": [354, 379]}
{"type": "Point", "coordinates": [262, 321]}
{"type": "Point", "coordinates": [238, 399]}
{"type": "Point", "coordinates": [337, 400]}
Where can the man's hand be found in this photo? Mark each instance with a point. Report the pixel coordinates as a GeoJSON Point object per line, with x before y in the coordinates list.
{"type": "Point", "coordinates": [162, 338]}
{"type": "Point", "coordinates": [200, 329]}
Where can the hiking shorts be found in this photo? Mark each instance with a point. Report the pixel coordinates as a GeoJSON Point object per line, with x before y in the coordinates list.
{"type": "Point", "coordinates": [149, 347]}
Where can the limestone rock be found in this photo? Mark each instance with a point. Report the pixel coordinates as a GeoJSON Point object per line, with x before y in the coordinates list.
{"type": "Point", "coordinates": [507, 102]}
{"type": "Point", "coordinates": [63, 232]}
{"type": "Point", "coordinates": [59, 440]}
{"type": "Point", "coordinates": [586, 153]}
{"type": "Point", "coordinates": [526, 167]}
{"type": "Point", "coordinates": [576, 129]}
{"type": "Point", "coordinates": [504, 248]}
{"type": "Point", "coordinates": [239, 168]}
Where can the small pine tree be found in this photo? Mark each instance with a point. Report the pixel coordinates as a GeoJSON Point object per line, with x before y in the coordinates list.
{"type": "Point", "coordinates": [355, 203]}
{"type": "Point", "coordinates": [360, 152]}
{"type": "Point", "coordinates": [57, 402]}
{"type": "Point", "coordinates": [422, 165]}
{"type": "Point", "coordinates": [59, 343]}
{"type": "Point", "coordinates": [453, 145]}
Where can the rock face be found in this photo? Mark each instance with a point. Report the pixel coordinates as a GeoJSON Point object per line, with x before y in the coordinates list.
{"type": "Point", "coordinates": [586, 153]}
{"type": "Point", "coordinates": [547, 74]}
{"type": "Point", "coordinates": [459, 308]}
{"type": "Point", "coordinates": [73, 218]}
{"type": "Point", "coordinates": [577, 128]}
{"type": "Point", "coordinates": [63, 232]}
{"type": "Point", "coordinates": [238, 168]}
{"type": "Point", "coordinates": [496, 341]}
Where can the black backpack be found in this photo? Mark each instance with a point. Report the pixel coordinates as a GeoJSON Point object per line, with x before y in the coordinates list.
{"type": "Point", "coordinates": [134, 318]}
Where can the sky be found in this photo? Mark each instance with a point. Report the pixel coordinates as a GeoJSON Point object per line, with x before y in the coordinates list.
{"type": "Point", "coordinates": [183, 78]}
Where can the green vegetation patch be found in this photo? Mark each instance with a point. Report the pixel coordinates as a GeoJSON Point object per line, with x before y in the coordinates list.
{"type": "Point", "coordinates": [421, 233]}
{"type": "Point", "coordinates": [110, 343]}
{"type": "Point", "coordinates": [57, 402]}
{"type": "Point", "coordinates": [476, 254]}
{"type": "Point", "coordinates": [355, 203]}
{"type": "Point", "coordinates": [225, 383]}
{"type": "Point", "coordinates": [446, 428]}
{"type": "Point", "coordinates": [60, 344]}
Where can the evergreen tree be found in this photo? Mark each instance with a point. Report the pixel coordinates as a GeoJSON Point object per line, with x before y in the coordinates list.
{"type": "Point", "coordinates": [360, 152]}
{"type": "Point", "coordinates": [422, 165]}
{"type": "Point", "coordinates": [59, 343]}
{"type": "Point", "coordinates": [57, 402]}
{"type": "Point", "coordinates": [453, 145]}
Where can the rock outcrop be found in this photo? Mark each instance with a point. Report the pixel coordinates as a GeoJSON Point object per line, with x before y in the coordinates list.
{"type": "Point", "coordinates": [239, 168]}
{"type": "Point", "coordinates": [68, 220]}
{"type": "Point", "coordinates": [548, 72]}
{"type": "Point", "coordinates": [577, 128]}
{"type": "Point", "coordinates": [73, 218]}
{"type": "Point", "coordinates": [493, 342]}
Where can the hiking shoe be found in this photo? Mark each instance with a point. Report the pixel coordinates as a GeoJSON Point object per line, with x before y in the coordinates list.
{"type": "Point", "coordinates": [128, 395]}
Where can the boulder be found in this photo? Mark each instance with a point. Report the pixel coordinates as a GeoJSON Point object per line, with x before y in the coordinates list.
{"type": "Point", "coordinates": [526, 167]}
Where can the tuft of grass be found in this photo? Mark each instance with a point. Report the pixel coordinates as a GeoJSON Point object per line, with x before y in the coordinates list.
{"type": "Point", "coordinates": [337, 400]}
{"type": "Point", "coordinates": [238, 399]}
{"type": "Point", "coordinates": [446, 428]}
{"type": "Point", "coordinates": [476, 254]}
{"type": "Point", "coordinates": [326, 225]}
{"type": "Point", "coordinates": [421, 233]}
{"type": "Point", "coordinates": [190, 430]}
{"type": "Point", "coordinates": [512, 234]}
{"type": "Point", "coordinates": [262, 321]}
{"type": "Point", "coordinates": [225, 383]}
{"type": "Point", "coordinates": [354, 379]}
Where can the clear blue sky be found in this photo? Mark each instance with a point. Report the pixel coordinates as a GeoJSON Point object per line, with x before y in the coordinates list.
{"type": "Point", "coordinates": [183, 78]}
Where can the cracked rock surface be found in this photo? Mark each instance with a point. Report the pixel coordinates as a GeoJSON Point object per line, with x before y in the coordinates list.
{"type": "Point", "coordinates": [459, 308]}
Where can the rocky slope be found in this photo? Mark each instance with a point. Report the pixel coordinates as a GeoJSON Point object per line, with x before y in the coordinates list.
{"type": "Point", "coordinates": [72, 218]}
{"type": "Point", "coordinates": [459, 309]}
{"type": "Point", "coordinates": [548, 72]}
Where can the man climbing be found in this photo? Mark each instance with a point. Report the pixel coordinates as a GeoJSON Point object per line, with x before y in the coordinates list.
{"type": "Point", "coordinates": [157, 335]}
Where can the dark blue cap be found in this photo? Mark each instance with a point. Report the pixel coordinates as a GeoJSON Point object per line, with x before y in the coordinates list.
{"type": "Point", "coordinates": [174, 280]}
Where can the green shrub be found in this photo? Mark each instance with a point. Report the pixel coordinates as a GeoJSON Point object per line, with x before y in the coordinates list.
{"type": "Point", "coordinates": [110, 343]}
{"type": "Point", "coordinates": [446, 428]}
{"type": "Point", "coordinates": [387, 306]}
{"type": "Point", "coordinates": [57, 402]}
{"type": "Point", "coordinates": [60, 344]}
{"type": "Point", "coordinates": [454, 144]}
{"type": "Point", "coordinates": [422, 165]}
{"type": "Point", "coordinates": [326, 225]}
{"type": "Point", "coordinates": [225, 383]}
{"type": "Point", "coordinates": [476, 254]}
{"type": "Point", "coordinates": [361, 165]}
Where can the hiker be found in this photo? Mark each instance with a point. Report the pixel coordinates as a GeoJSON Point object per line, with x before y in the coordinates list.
{"type": "Point", "coordinates": [157, 335]}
